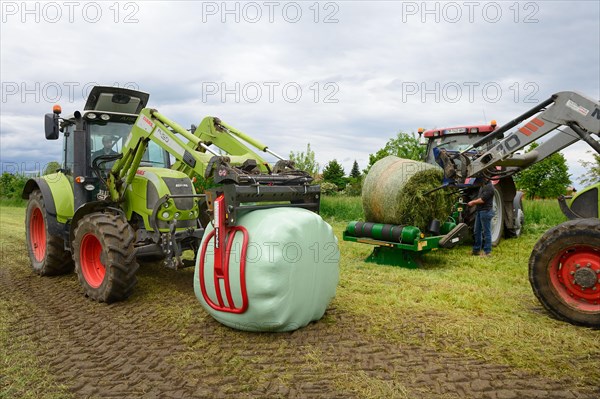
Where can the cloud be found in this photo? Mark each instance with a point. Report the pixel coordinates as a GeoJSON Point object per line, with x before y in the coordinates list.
{"type": "Point", "coordinates": [381, 68]}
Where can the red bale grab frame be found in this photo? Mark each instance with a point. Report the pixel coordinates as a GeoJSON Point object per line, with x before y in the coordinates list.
{"type": "Point", "coordinates": [223, 236]}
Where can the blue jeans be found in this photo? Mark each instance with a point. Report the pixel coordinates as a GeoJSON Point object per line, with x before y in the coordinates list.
{"type": "Point", "coordinates": [483, 222]}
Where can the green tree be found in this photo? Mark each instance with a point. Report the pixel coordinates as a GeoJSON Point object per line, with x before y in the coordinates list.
{"type": "Point", "coordinates": [354, 186]}
{"type": "Point", "coordinates": [52, 167]}
{"type": "Point", "coordinates": [328, 188]}
{"type": "Point", "coordinates": [305, 161]}
{"type": "Point", "coordinates": [546, 179]}
{"type": "Point", "coordinates": [11, 186]}
{"type": "Point", "coordinates": [592, 174]}
{"type": "Point", "coordinates": [404, 145]}
{"type": "Point", "coordinates": [334, 173]}
{"type": "Point", "coordinates": [355, 172]}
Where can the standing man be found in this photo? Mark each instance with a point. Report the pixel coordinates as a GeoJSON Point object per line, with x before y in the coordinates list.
{"type": "Point", "coordinates": [483, 219]}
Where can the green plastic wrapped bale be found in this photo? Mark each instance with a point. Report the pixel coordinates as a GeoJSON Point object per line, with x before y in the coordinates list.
{"type": "Point", "coordinates": [291, 274]}
{"type": "Point", "coordinates": [394, 192]}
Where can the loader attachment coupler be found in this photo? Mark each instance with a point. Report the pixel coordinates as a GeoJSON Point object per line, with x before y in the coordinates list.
{"type": "Point", "coordinates": [249, 198]}
{"type": "Point", "coordinates": [246, 189]}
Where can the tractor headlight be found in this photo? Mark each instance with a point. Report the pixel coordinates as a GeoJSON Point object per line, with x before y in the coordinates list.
{"type": "Point", "coordinates": [166, 215]}
{"type": "Point", "coordinates": [177, 214]}
{"type": "Point", "coordinates": [105, 117]}
{"type": "Point", "coordinates": [91, 115]}
{"type": "Point", "coordinates": [89, 187]}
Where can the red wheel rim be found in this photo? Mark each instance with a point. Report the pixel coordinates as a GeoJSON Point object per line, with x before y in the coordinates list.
{"type": "Point", "coordinates": [575, 275]}
{"type": "Point", "coordinates": [91, 266]}
{"type": "Point", "coordinates": [37, 234]}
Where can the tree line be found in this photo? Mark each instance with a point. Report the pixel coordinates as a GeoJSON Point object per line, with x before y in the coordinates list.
{"type": "Point", "coordinates": [546, 179]}
{"type": "Point", "coordinates": [12, 184]}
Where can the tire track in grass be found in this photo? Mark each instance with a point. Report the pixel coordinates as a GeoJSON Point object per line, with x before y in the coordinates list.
{"type": "Point", "coordinates": [21, 373]}
{"type": "Point", "coordinates": [160, 343]}
{"type": "Point", "coordinates": [129, 349]}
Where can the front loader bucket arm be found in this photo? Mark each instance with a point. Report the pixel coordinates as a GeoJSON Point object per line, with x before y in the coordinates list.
{"type": "Point", "coordinates": [151, 125]}
{"type": "Point", "coordinates": [192, 154]}
{"type": "Point", "coordinates": [234, 143]}
{"type": "Point", "coordinates": [246, 176]}
{"type": "Point", "coordinates": [228, 138]}
{"type": "Point", "coordinates": [575, 116]}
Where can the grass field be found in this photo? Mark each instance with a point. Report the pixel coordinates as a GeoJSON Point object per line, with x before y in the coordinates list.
{"type": "Point", "coordinates": [483, 307]}
{"type": "Point", "coordinates": [459, 306]}
{"type": "Point", "coordinates": [538, 213]}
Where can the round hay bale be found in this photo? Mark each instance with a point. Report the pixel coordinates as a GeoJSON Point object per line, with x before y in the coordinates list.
{"type": "Point", "coordinates": [394, 192]}
{"type": "Point", "coordinates": [288, 283]}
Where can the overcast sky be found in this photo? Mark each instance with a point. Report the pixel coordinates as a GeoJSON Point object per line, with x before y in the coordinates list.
{"type": "Point", "coordinates": [344, 75]}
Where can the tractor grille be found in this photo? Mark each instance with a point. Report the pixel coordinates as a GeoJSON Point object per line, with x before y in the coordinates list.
{"type": "Point", "coordinates": [181, 186]}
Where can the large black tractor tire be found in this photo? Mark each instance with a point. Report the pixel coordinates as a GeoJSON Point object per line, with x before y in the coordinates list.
{"type": "Point", "coordinates": [498, 219]}
{"type": "Point", "coordinates": [46, 251]}
{"type": "Point", "coordinates": [104, 257]}
{"type": "Point", "coordinates": [564, 271]}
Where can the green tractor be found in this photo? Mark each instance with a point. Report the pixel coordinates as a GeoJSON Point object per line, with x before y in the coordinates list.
{"type": "Point", "coordinates": [125, 191]}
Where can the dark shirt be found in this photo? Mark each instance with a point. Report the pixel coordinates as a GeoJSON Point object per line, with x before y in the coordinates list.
{"type": "Point", "coordinates": [101, 151]}
{"type": "Point", "coordinates": [486, 193]}
{"type": "Point", "coordinates": [104, 165]}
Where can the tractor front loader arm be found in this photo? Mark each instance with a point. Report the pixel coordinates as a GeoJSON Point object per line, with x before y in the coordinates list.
{"type": "Point", "coordinates": [250, 177]}
{"type": "Point", "coordinates": [192, 153]}
{"type": "Point", "coordinates": [571, 115]}
{"type": "Point", "coordinates": [151, 125]}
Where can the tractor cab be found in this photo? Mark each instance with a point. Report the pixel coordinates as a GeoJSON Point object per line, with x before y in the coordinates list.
{"type": "Point", "coordinates": [94, 138]}
{"type": "Point", "coordinates": [102, 129]}
{"type": "Point", "coordinates": [454, 139]}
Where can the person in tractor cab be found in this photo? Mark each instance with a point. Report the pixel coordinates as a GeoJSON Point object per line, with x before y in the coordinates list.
{"type": "Point", "coordinates": [483, 219]}
{"type": "Point", "coordinates": [107, 144]}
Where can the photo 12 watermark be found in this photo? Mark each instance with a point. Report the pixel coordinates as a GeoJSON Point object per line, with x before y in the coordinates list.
{"type": "Point", "coordinates": [471, 92]}
{"type": "Point", "coordinates": [454, 12]}
{"type": "Point", "coordinates": [287, 252]}
{"type": "Point", "coordinates": [30, 169]}
{"type": "Point", "coordinates": [253, 12]}
{"type": "Point", "coordinates": [53, 92]}
{"type": "Point", "coordinates": [270, 91]}
{"type": "Point", "coordinates": [53, 12]}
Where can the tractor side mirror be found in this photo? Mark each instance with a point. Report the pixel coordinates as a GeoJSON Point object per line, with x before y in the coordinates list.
{"type": "Point", "coordinates": [51, 126]}
{"type": "Point", "coordinates": [51, 123]}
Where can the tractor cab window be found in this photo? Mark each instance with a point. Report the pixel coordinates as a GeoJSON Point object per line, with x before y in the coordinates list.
{"type": "Point", "coordinates": [155, 156]}
{"type": "Point", "coordinates": [109, 138]}
{"type": "Point", "coordinates": [451, 143]}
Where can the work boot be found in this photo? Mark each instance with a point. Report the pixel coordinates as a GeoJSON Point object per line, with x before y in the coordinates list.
{"type": "Point", "coordinates": [485, 255]}
{"type": "Point", "coordinates": [475, 253]}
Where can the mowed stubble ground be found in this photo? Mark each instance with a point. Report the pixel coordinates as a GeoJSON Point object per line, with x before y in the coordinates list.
{"type": "Point", "coordinates": [459, 327]}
